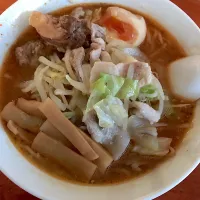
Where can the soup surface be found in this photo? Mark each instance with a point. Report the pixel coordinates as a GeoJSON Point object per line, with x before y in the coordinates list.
{"type": "Point", "coordinates": [158, 49]}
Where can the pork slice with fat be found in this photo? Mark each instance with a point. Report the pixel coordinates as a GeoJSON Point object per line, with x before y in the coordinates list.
{"type": "Point", "coordinates": [147, 112]}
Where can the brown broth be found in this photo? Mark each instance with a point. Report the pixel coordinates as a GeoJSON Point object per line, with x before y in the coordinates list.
{"type": "Point", "coordinates": [116, 173]}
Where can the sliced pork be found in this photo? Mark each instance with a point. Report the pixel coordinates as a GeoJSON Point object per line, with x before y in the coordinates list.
{"type": "Point", "coordinates": [95, 55]}
{"type": "Point", "coordinates": [137, 54]}
{"type": "Point", "coordinates": [97, 31]}
{"type": "Point", "coordinates": [105, 57]}
{"type": "Point", "coordinates": [103, 67]}
{"type": "Point", "coordinates": [64, 31]}
{"type": "Point", "coordinates": [77, 58]}
{"type": "Point", "coordinates": [118, 145]}
{"type": "Point", "coordinates": [142, 71]}
{"type": "Point", "coordinates": [98, 43]}
{"type": "Point", "coordinates": [113, 139]}
{"type": "Point", "coordinates": [29, 53]}
{"type": "Point", "coordinates": [147, 112]}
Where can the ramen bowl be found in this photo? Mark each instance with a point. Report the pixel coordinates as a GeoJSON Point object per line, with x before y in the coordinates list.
{"type": "Point", "coordinates": [151, 185]}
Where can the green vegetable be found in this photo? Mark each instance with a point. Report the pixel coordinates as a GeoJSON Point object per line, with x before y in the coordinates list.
{"type": "Point", "coordinates": [148, 93]}
{"type": "Point", "coordinates": [104, 86]}
{"type": "Point", "coordinates": [148, 89]}
{"type": "Point", "coordinates": [113, 83]}
{"type": "Point", "coordinates": [108, 84]}
{"type": "Point", "coordinates": [129, 89]}
{"type": "Point", "coordinates": [93, 99]}
{"type": "Point", "coordinates": [100, 86]}
{"type": "Point", "coordinates": [110, 111]}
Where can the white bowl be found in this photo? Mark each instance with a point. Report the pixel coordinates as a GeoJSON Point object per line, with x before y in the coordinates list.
{"type": "Point", "coordinates": [149, 186]}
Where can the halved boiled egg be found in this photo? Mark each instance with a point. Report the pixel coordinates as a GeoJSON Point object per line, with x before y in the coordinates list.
{"type": "Point", "coordinates": [124, 25]}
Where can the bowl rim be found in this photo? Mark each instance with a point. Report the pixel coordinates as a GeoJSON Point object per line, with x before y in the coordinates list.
{"type": "Point", "coordinates": [150, 196]}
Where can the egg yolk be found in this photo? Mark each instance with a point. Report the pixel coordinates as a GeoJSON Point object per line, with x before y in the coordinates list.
{"type": "Point", "coordinates": [124, 30]}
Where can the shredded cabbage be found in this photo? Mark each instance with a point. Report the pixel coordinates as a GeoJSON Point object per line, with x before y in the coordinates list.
{"type": "Point", "coordinates": [93, 99]}
{"type": "Point", "coordinates": [148, 92]}
{"type": "Point", "coordinates": [110, 111]}
{"type": "Point", "coordinates": [108, 84]}
{"type": "Point", "coordinates": [162, 150]}
{"type": "Point", "coordinates": [149, 89]}
{"type": "Point", "coordinates": [105, 85]}
{"type": "Point", "coordinates": [129, 89]}
{"type": "Point", "coordinates": [100, 86]}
